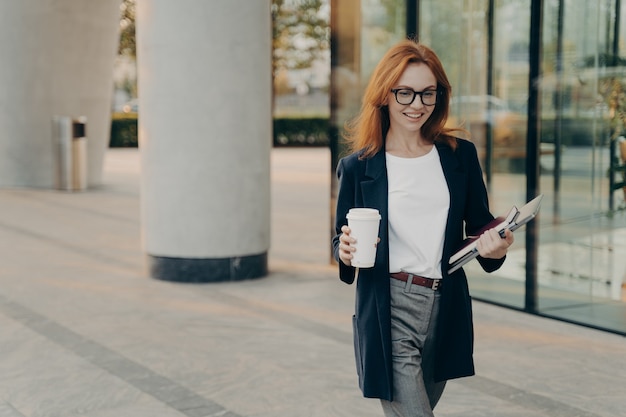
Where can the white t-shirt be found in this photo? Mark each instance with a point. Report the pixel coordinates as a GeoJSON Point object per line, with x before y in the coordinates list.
{"type": "Point", "coordinates": [419, 200]}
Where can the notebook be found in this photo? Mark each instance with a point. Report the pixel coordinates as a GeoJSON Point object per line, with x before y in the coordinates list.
{"type": "Point", "coordinates": [515, 219]}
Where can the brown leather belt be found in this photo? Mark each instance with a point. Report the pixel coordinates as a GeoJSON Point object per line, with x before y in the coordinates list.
{"type": "Point", "coordinates": [435, 284]}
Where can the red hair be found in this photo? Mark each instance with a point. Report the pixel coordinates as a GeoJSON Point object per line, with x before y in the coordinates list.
{"type": "Point", "coordinates": [368, 129]}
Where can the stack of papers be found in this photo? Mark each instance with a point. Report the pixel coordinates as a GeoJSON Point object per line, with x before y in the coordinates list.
{"type": "Point", "coordinates": [515, 219]}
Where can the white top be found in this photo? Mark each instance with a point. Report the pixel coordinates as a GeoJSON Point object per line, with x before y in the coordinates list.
{"type": "Point", "coordinates": [419, 200]}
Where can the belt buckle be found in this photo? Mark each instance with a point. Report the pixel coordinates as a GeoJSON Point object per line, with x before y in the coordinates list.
{"type": "Point", "coordinates": [435, 284]}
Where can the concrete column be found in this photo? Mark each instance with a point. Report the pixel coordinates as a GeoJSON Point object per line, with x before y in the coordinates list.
{"type": "Point", "coordinates": [57, 59]}
{"type": "Point", "coordinates": [205, 137]}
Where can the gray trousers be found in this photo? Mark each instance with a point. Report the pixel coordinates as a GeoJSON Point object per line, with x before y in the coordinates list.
{"type": "Point", "coordinates": [414, 311]}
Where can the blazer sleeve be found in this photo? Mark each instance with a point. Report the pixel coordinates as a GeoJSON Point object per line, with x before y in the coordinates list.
{"type": "Point", "coordinates": [477, 209]}
{"type": "Point", "coordinates": [346, 197]}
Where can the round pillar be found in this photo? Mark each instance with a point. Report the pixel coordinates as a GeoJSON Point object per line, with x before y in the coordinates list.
{"type": "Point", "coordinates": [58, 58]}
{"type": "Point", "coordinates": [204, 74]}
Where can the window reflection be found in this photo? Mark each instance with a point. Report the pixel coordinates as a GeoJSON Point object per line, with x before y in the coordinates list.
{"type": "Point", "coordinates": [581, 79]}
{"type": "Point", "coordinates": [582, 75]}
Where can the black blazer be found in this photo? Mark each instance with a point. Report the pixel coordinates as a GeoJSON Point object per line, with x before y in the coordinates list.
{"type": "Point", "coordinates": [363, 183]}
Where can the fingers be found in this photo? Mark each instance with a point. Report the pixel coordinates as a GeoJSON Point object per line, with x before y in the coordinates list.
{"type": "Point", "coordinates": [508, 236]}
{"type": "Point", "coordinates": [345, 246]}
{"type": "Point", "coordinates": [492, 245]}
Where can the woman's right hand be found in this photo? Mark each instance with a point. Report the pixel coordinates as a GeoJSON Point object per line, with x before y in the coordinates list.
{"type": "Point", "coordinates": [345, 246]}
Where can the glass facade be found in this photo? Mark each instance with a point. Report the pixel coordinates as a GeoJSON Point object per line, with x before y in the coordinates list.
{"type": "Point", "coordinates": [541, 88]}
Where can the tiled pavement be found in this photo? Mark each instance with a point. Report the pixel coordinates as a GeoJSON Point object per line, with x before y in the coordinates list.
{"type": "Point", "coordinates": [85, 332]}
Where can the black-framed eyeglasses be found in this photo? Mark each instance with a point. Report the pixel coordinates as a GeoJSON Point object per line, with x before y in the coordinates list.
{"type": "Point", "coordinates": [406, 96]}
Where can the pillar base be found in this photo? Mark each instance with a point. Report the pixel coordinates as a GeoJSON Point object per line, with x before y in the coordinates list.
{"type": "Point", "coordinates": [204, 270]}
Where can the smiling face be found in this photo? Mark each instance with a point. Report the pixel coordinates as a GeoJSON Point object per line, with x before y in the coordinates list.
{"type": "Point", "coordinates": [410, 118]}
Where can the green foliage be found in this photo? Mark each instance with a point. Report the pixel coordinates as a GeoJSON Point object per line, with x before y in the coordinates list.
{"type": "Point", "coordinates": [301, 33]}
{"type": "Point", "coordinates": [308, 131]}
{"type": "Point", "coordinates": [312, 131]}
{"type": "Point", "coordinates": [613, 91]}
{"type": "Point", "coordinates": [127, 44]}
{"type": "Point", "coordinates": [123, 130]}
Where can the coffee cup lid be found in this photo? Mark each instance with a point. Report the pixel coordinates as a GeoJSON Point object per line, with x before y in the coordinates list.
{"type": "Point", "coordinates": [363, 213]}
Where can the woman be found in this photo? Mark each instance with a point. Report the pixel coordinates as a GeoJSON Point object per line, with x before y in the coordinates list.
{"type": "Point", "coordinates": [413, 324]}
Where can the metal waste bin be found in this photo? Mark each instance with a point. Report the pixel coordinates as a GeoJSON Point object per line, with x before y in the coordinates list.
{"type": "Point", "coordinates": [70, 142]}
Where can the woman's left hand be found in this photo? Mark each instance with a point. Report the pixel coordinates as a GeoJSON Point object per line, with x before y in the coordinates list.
{"type": "Point", "coordinates": [491, 245]}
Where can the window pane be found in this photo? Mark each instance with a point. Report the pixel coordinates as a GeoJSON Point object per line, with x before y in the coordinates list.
{"type": "Point", "coordinates": [497, 121]}
{"type": "Point", "coordinates": [580, 271]}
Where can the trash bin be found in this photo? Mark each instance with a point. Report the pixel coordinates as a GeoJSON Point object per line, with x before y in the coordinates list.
{"type": "Point", "coordinates": [70, 142]}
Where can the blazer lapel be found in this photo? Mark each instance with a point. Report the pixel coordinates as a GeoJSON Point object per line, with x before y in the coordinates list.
{"type": "Point", "coordinates": [374, 191]}
{"type": "Point", "coordinates": [455, 178]}
{"type": "Point", "coordinates": [374, 184]}
{"type": "Point", "coordinates": [450, 165]}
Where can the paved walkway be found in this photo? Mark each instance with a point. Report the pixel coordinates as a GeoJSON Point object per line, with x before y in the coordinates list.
{"type": "Point", "coordinates": [86, 333]}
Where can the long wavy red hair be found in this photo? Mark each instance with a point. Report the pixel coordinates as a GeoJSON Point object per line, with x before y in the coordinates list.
{"type": "Point", "coordinates": [369, 128]}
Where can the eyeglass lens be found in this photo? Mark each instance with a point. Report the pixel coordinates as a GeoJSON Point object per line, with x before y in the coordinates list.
{"type": "Point", "coordinates": [406, 96]}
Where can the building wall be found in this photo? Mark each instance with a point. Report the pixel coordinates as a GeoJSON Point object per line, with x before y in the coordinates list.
{"type": "Point", "coordinates": [57, 60]}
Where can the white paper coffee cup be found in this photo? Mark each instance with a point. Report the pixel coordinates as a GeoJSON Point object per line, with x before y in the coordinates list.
{"type": "Point", "coordinates": [363, 224]}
